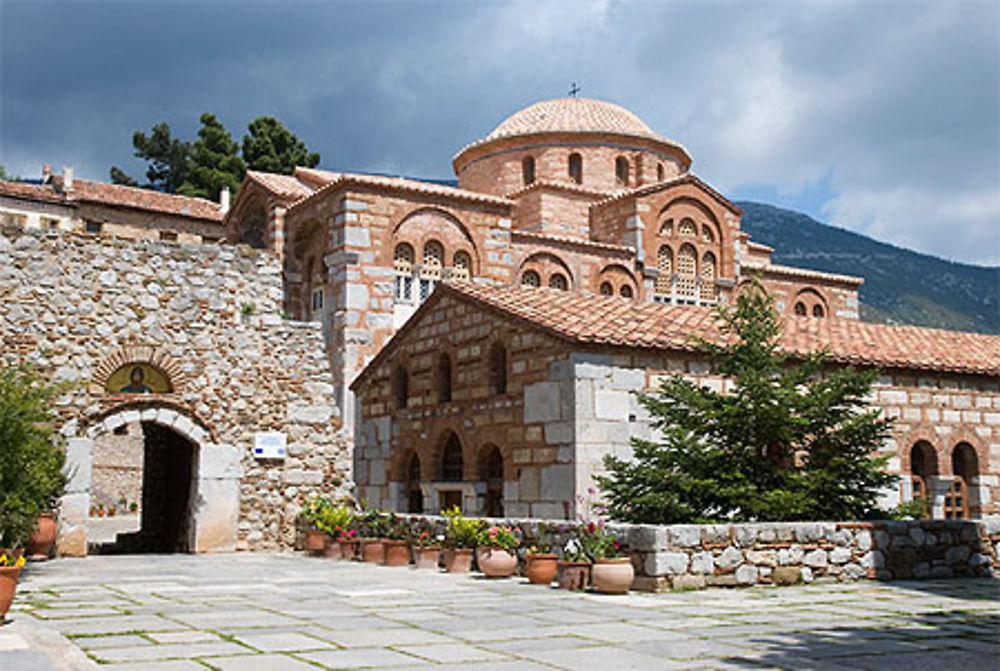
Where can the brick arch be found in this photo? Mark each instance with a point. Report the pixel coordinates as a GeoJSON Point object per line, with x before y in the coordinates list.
{"type": "Point", "coordinates": [617, 275]}
{"type": "Point", "coordinates": [545, 264]}
{"type": "Point", "coordinates": [435, 464]}
{"type": "Point", "coordinates": [696, 204]}
{"type": "Point", "coordinates": [173, 415]}
{"type": "Point", "coordinates": [486, 443]}
{"type": "Point", "coordinates": [907, 441]}
{"type": "Point", "coordinates": [136, 354]}
{"type": "Point", "coordinates": [810, 296]}
{"type": "Point", "coordinates": [423, 224]}
{"type": "Point", "coordinates": [962, 435]}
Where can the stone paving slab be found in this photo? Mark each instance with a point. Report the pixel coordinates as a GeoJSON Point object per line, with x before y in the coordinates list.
{"type": "Point", "coordinates": [287, 611]}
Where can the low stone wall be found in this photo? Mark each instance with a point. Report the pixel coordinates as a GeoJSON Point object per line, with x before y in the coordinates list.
{"type": "Point", "coordinates": [784, 553]}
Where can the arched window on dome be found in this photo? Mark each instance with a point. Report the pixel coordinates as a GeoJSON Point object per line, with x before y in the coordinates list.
{"type": "Point", "coordinates": [462, 266]}
{"type": "Point", "coordinates": [430, 271]}
{"type": "Point", "coordinates": [530, 279]}
{"type": "Point", "coordinates": [663, 291]}
{"type": "Point", "coordinates": [687, 274]}
{"type": "Point", "coordinates": [606, 289]}
{"type": "Point", "coordinates": [621, 171]}
{"type": "Point", "coordinates": [707, 289]}
{"type": "Point", "coordinates": [402, 264]}
{"type": "Point", "coordinates": [528, 170]}
{"type": "Point", "coordinates": [558, 281]}
{"type": "Point", "coordinates": [576, 168]}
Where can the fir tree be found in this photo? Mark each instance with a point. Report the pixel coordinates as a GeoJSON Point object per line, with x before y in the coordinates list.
{"type": "Point", "coordinates": [214, 162]}
{"type": "Point", "coordinates": [271, 147]}
{"type": "Point", "coordinates": [791, 439]}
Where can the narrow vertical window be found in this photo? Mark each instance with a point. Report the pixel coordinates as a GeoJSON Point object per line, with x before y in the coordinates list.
{"type": "Point", "coordinates": [430, 272]}
{"type": "Point", "coordinates": [687, 272]}
{"type": "Point", "coordinates": [528, 170]}
{"type": "Point", "coordinates": [621, 171]}
{"type": "Point", "coordinates": [461, 270]}
{"type": "Point", "coordinates": [708, 267]}
{"type": "Point", "coordinates": [444, 378]}
{"type": "Point", "coordinates": [402, 264]}
{"type": "Point", "coordinates": [576, 168]}
{"type": "Point", "coordinates": [664, 280]}
{"type": "Point", "coordinates": [401, 386]}
{"type": "Point", "coordinates": [498, 369]}
{"type": "Point", "coordinates": [659, 172]}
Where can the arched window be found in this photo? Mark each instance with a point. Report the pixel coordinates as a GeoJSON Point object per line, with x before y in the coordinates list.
{"type": "Point", "coordinates": [621, 171]}
{"type": "Point", "coordinates": [531, 279]}
{"type": "Point", "coordinates": [462, 268]}
{"type": "Point", "coordinates": [965, 468]}
{"type": "Point", "coordinates": [430, 271]}
{"type": "Point", "coordinates": [659, 172]}
{"type": "Point", "coordinates": [707, 288]}
{"type": "Point", "coordinates": [667, 228]}
{"type": "Point", "coordinates": [607, 289]}
{"type": "Point", "coordinates": [402, 263]}
{"type": "Point", "coordinates": [706, 234]}
{"type": "Point", "coordinates": [576, 168]}
{"type": "Point", "coordinates": [491, 472]}
{"type": "Point", "coordinates": [923, 465]}
{"type": "Point", "coordinates": [800, 309]}
{"type": "Point", "coordinates": [558, 281]}
{"type": "Point", "coordinates": [451, 460]}
{"type": "Point", "coordinates": [665, 264]}
{"type": "Point", "coordinates": [528, 170]}
{"type": "Point", "coordinates": [401, 386]}
{"type": "Point", "coordinates": [687, 227]}
{"type": "Point", "coordinates": [818, 311]}
{"type": "Point", "coordinates": [625, 291]}
{"type": "Point", "coordinates": [414, 495]}
{"type": "Point", "coordinates": [498, 369]}
{"type": "Point", "coordinates": [444, 378]}
{"type": "Point", "coordinates": [687, 272]}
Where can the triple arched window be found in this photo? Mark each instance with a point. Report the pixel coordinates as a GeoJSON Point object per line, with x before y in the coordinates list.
{"type": "Point", "coordinates": [414, 283]}
{"type": "Point", "coordinates": [687, 272]}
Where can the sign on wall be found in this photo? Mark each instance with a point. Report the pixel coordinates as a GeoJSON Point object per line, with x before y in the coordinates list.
{"type": "Point", "coordinates": [269, 445]}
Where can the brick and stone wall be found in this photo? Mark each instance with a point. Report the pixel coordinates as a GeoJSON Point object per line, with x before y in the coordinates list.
{"type": "Point", "coordinates": [80, 307]}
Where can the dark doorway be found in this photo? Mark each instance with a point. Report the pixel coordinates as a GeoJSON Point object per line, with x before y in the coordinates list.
{"type": "Point", "coordinates": [491, 472]}
{"type": "Point", "coordinates": [167, 481]}
{"type": "Point", "coordinates": [414, 495]}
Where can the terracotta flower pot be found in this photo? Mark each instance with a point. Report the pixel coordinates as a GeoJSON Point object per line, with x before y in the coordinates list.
{"type": "Point", "coordinates": [427, 557]}
{"type": "Point", "coordinates": [315, 541]}
{"type": "Point", "coordinates": [613, 576]}
{"type": "Point", "coordinates": [496, 562]}
{"type": "Point", "coordinates": [333, 549]}
{"type": "Point", "coordinates": [350, 550]}
{"type": "Point", "coordinates": [8, 585]}
{"type": "Point", "coordinates": [573, 574]}
{"type": "Point", "coordinates": [540, 568]}
{"type": "Point", "coordinates": [458, 560]}
{"type": "Point", "coordinates": [397, 553]}
{"type": "Point", "coordinates": [373, 551]}
{"type": "Point", "coordinates": [41, 541]}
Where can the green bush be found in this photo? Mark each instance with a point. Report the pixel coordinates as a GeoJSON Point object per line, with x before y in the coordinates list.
{"type": "Point", "coordinates": [31, 462]}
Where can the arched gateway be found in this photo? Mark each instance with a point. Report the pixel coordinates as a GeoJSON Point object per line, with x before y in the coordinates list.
{"type": "Point", "coordinates": [189, 482]}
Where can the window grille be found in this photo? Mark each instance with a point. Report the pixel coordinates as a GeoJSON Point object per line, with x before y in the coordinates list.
{"type": "Point", "coordinates": [707, 288]}
{"type": "Point", "coordinates": [686, 273]}
{"type": "Point", "coordinates": [687, 227]}
{"type": "Point", "coordinates": [664, 263]}
{"type": "Point", "coordinates": [558, 281]}
{"type": "Point", "coordinates": [531, 279]}
{"type": "Point", "coordinates": [462, 266]}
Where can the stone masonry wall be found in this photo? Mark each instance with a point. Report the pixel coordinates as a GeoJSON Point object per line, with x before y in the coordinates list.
{"type": "Point", "coordinates": [80, 306]}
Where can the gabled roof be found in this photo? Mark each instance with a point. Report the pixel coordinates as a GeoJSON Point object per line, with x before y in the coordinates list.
{"type": "Point", "coordinates": [286, 187]}
{"type": "Point", "coordinates": [686, 178]}
{"type": "Point", "coordinates": [618, 322]}
{"type": "Point", "coordinates": [748, 268]}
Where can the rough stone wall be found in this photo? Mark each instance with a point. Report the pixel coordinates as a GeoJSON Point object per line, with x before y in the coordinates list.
{"type": "Point", "coordinates": [117, 466]}
{"type": "Point", "coordinates": [211, 316]}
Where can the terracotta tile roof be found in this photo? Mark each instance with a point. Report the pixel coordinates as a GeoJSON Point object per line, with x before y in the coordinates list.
{"type": "Point", "coordinates": [686, 178]}
{"type": "Point", "coordinates": [28, 191]}
{"type": "Point", "coordinates": [749, 268]}
{"type": "Point", "coordinates": [568, 240]}
{"type": "Point", "coordinates": [285, 187]}
{"type": "Point", "coordinates": [613, 321]}
{"type": "Point", "coordinates": [410, 185]}
{"type": "Point", "coordinates": [569, 187]}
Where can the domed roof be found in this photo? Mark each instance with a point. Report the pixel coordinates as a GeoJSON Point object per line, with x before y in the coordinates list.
{"type": "Point", "coordinates": [574, 115]}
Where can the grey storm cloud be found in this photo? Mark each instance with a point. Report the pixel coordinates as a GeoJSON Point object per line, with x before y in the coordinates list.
{"type": "Point", "coordinates": [893, 107]}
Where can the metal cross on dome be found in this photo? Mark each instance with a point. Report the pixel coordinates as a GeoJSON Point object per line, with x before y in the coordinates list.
{"type": "Point", "coordinates": [574, 89]}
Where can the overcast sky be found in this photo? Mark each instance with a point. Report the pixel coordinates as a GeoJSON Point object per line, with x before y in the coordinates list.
{"type": "Point", "coordinates": [882, 117]}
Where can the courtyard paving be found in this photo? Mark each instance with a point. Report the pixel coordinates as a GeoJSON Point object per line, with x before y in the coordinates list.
{"type": "Point", "coordinates": [289, 612]}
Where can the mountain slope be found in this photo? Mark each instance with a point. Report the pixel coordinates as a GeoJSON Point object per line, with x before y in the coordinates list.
{"type": "Point", "coordinates": [901, 286]}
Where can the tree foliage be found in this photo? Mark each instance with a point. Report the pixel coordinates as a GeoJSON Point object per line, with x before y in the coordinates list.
{"type": "Point", "coordinates": [168, 159]}
{"type": "Point", "coordinates": [214, 161]}
{"type": "Point", "coordinates": [31, 463]}
{"type": "Point", "coordinates": [271, 147]}
{"type": "Point", "coordinates": [791, 439]}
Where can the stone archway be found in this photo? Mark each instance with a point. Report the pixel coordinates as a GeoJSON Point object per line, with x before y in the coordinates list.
{"type": "Point", "coordinates": [208, 520]}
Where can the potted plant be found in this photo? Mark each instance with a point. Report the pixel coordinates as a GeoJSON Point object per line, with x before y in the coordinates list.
{"type": "Point", "coordinates": [540, 561]}
{"type": "Point", "coordinates": [612, 572]}
{"type": "Point", "coordinates": [396, 542]}
{"type": "Point", "coordinates": [496, 551]}
{"type": "Point", "coordinates": [333, 521]}
{"type": "Point", "coordinates": [573, 570]}
{"type": "Point", "coordinates": [372, 526]}
{"type": "Point", "coordinates": [460, 539]}
{"type": "Point", "coordinates": [40, 543]}
{"type": "Point", "coordinates": [426, 549]}
{"type": "Point", "coordinates": [315, 536]}
{"type": "Point", "coordinates": [10, 571]}
{"type": "Point", "coordinates": [133, 507]}
{"type": "Point", "coordinates": [350, 544]}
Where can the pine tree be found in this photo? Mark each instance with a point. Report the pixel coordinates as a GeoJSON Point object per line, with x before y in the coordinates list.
{"type": "Point", "coordinates": [792, 438]}
{"type": "Point", "coordinates": [167, 156]}
{"type": "Point", "coordinates": [214, 162]}
{"type": "Point", "coordinates": [271, 147]}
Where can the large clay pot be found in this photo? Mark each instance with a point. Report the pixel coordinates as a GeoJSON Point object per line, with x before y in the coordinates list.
{"type": "Point", "coordinates": [426, 557]}
{"type": "Point", "coordinates": [315, 541]}
{"type": "Point", "coordinates": [496, 562]}
{"type": "Point", "coordinates": [613, 576]}
{"type": "Point", "coordinates": [573, 574]}
{"type": "Point", "coordinates": [350, 550]}
{"type": "Point", "coordinates": [8, 585]}
{"type": "Point", "coordinates": [540, 568]}
{"type": "Point", "coordinates": [397, 553]}
{"type": "Point", "coordinates": [41, 541]}
{"type": "Point", "coordinates": [333, 549]}
{"type": "Point", "coordinates": [458, 560]}
{"type": "Point", "coordinates": [373, 551]}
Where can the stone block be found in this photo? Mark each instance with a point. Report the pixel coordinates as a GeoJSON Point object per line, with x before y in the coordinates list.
{"type": "Point", "coordinates": [79, 464]}
{"type": "Point", "coordinates": [557, 483]}
{"type": "Point", "coordinates": [840, 555]}
{"type": "Point", "coordinates": [786, 575]}
{"type": "Point", "coordinates": [645, 583]}
{"type": "Point", "coordinates": [628, 379]}
{"type": "Point", "coordinates": [666, 563]}
{"type": "Point", "coordinates": [685, 535]}
{"type": "Point", "coordinates": [647, 537]}
{"type": "Point", "coordinates": [527, 484]}
{"type": "Point", "coordinates": [687, 582]}
{"type": "Point", "coordinates": [611, 405]}
{"type": "Point", "coordinates": [216, 514]}
{"type": "Point", "coordinates": [219, 461]}
{"type": "Point", "coordinates": [703, 562]}
{"type": "Point", "coordinates": [558, 433]}
{"type": "Point", "coordinates": [746, 575]}
{"type": "Point", "coordinates": [729, 558]}
{"type": "Point", "coordinates": [816, 559]}
{"type": "Point", "coordinates": [542, 402]}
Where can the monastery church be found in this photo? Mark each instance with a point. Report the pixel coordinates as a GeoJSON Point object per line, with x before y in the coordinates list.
{"type": "Point", "coordinates": [422, 345]}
